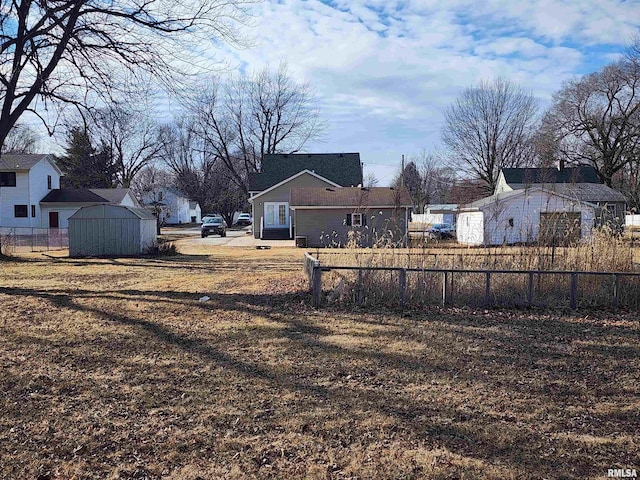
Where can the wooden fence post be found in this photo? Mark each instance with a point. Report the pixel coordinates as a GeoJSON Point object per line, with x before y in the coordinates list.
{"type": "Point", "coordinates": [487, 289]}
{"type": "Point", "coordinates": [402, 280]}
{"type": "Point", "coordinates": [317, 285]}
{"type": "Point", "coordinates": [573, 299]}
{"type": "Point", "coordinates": [530, 291]}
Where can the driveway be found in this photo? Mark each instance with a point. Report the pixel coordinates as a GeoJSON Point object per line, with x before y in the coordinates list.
{"type": "Point", "coordinates": [235, 238]}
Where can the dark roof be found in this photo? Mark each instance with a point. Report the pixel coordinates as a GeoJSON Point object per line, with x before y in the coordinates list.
{"type": "Point", "coordinates": [112, 195]}
{"type": "Point", "coordinates": [13, 161]}
{"type": "Point", "coordinates": [341, 168]}
{"type": "Point", "coordinates": [350, 197]}
{"type": "Point", "coordinates": [73, 195]}
{"type": "Point", "coordinates": [550, 175]}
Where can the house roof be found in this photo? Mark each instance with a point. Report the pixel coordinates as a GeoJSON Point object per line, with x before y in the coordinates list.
{"type": "Point", "coordinates": [112, 195]}
{"type": "Point", "coordinates": [343, 169]}
{"type": "Point", "coordinates": [350, 197]}
{"type": "Point", "coordinates": [14, 161]}
{"type": "Point", "coordinates": [73, 195]}
{"type": "Point", "coordinates": [582, 174]}
{"type": "Point", "coordinates": [585, 192]}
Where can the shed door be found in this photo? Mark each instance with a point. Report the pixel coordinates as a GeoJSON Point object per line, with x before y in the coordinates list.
{"type": "Point", "coordinates": [560, 228]}
{"type": "Point", "coordinates": [53, 220]}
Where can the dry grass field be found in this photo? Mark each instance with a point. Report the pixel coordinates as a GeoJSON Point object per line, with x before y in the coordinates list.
{"type": "Point", "coordinates": [114, 369]}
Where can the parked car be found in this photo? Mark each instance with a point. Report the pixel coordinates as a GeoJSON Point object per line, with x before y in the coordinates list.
{"type": "Point", "coordinates": [213, 226]}
{"type": "Point", "coordinates": [441, 231]}
{"type": "Point", "coordinates": [244, 219]}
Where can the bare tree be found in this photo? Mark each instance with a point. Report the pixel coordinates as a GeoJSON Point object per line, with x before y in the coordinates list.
{"type": "Point", "coordinates": [21, 139]}
{"type": "Point", "coordinates": [242, 119]}
{"type": "Point", "coordinates": [370, 180]}
{"type": "Point", "coordinates": [595, 120]}
{"type": "Point", "coordinates": [58, 51]}
{"type": "Point", "coordinates": [132, 138]}
{"type": "Point", "coordinates": [489, 127]}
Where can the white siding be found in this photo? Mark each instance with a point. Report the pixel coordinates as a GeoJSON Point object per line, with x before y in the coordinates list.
{"type": "Point", "coordinates": [11, 196]}
{"type": "Point", "coordinates": [64, 212]}
{"type": "Point", "coordinates": [470, 229]}
{"type": "Point", "coordinates": [517, 219]}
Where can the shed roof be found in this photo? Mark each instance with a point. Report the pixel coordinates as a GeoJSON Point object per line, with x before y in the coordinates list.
{"type": "Point", "coordinates": [20, 161]}
{"type": "Point", "coordinates": [112, 211]}
{"type": "Point", "coordinates": [341, 168]}
{"type": "Point", "coordinates": [73, 195]}
{"type": "Point", "coordinates": [581, 174]}
{"type": "Point", "coordinates": [112, 195]}
{"type": "Point", "coordinates": [565, 191]}
{"type": "Point", "coordinates": [350, 197]}
{"type": "Point", "coordinates": [586, 192]}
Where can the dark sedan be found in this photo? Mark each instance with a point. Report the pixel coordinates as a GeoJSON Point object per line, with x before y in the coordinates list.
{"type": "Point", "coordinates": [213, 226]}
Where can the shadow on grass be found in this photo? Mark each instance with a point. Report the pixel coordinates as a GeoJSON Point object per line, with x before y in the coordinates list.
{"type": "Point", "coordinates": [517, 344]}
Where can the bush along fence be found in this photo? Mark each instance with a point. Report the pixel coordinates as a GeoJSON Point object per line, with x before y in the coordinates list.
{"type": "Point", "coordinates": [399, 287]}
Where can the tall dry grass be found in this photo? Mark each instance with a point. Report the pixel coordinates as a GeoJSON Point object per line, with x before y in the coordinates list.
{"type": "Point", "coordinates": [602, 252]}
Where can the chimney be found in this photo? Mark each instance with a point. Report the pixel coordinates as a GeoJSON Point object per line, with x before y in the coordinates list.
{"type": "Point", "coordinates": [560, 164]}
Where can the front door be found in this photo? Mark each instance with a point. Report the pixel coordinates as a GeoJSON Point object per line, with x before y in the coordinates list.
{"type": "Point", "coordinates": [276, 215]}
{"type": "Point", "coordinates": [53, 220]}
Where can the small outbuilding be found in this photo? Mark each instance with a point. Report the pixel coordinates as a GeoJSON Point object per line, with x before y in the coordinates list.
{"type": "Point", "coordinates": [111, 230]}
{"type": "Point", "coordinates": [527, 216]}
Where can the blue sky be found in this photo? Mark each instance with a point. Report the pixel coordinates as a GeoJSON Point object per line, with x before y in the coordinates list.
{"type": "Point", "coordinates": [384, 70]}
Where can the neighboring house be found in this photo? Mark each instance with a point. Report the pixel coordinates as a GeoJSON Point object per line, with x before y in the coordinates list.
{"type": "Point", "coordinates": [581, 183]}
{"type": "Point", "coordinates": [60, 204]}
{"type": "Point", "coordinates": [526, 216]}
{"type": "Point", "coordinates": [173, 206]}
{"type": "Point", "coordinates": [24, 181]}
{"type": "Point", "coordinates": [270, 190]}
{"type": "Point", "coordinates": [437, 213]}
{"type": "Point", "coordinates": [351, 216]}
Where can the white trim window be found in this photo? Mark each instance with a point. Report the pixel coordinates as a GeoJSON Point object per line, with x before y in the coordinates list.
{"type": "Point", "coordinates": [356, 219]}
{"type": "Point", "coordinates": [276, 215]}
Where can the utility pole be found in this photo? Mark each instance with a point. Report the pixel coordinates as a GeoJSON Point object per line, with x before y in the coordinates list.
{"type": "Point", "coordinates": [402, 172]}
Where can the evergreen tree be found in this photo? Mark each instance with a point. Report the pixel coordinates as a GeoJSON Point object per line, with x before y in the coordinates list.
{"type": "Point", "coordinates": [85, 166]}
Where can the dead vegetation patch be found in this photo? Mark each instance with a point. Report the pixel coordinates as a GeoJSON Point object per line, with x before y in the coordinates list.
{"type": "Point", "coordinates": [115, 369]}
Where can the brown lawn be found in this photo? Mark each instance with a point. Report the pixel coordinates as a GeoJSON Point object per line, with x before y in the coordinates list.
{"type": "Point", "coordinates": [114, 369]}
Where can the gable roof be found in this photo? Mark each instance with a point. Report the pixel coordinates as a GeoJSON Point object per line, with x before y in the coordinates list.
{"type": "Point", "coordinates": [113, 195]}
{"type": "Point", "coordinates": [583, 174]}
{"type": "Point", "coordinates": [23, 161]}
{"type": "Point", "coordinates": [350, 197]}
{"type": "Point", "coordinates": [343, 169]}
{"type": "Point", "coordinates": [112, 211]}
{"type": "Point", "coordinates": [587, 192]}
{"type": "Point", "coordinates": [303, 172]}
{"type": "Point", "coordinates": [73, 195]}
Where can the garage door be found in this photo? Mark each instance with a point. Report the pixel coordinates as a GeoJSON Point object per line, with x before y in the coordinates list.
{"type": "Point", "coordinates": [560, 228]}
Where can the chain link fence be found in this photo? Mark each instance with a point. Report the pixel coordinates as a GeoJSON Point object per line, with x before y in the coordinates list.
{"type": "Point", "coordinates": [17, 239]}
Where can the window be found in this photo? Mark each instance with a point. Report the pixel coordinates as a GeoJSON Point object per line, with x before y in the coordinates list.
{"type": "Point", "coordinates": [356, 219]}
{"type": "Point", "coordinates": [282, 214]}
{"type": "Point", "coordinates": [7, 179]}
{"type": "Point", "coordinates": [33, 210]}
{"type": "Point", "coordinates": [49, 182]}
{"type": "Point", "coordinates": [20, 211]}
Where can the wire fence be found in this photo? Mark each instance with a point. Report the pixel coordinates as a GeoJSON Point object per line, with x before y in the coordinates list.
{"type": "Point", "coordinates": [15, 239]}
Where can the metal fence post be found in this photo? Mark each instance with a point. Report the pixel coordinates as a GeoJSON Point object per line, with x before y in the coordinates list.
{"type": "Point", "coordinates": [360, 288]}
{"type": "Point", "coordinates": [402, 279]}
{"type": "Point", "coordinates": [487, 289]}
{"type": "Point", "coordinates": [317, 286]}
{"type": "Point", "coordinates": [445, 287]}
{"type": "Point", "coordinates": [573, 300]}
{"type": "Point", "coordinates": [616, 290]}
{"type": "Point", "coordinates": [530, 291]}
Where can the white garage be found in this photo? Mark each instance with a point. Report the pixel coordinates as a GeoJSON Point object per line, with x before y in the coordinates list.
{"type": "Point", "coordinates": [525, 216]}
{"type": "Point", "coordinates": [111, 230]}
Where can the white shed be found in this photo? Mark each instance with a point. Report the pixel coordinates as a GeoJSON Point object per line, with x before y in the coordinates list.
{"type": "Point", "coordinates": [111, 230]}
{"type": "Point", "coordinates": [525, 216]}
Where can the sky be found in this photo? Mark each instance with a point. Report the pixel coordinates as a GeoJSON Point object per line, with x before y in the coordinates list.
{"type": "Point", "coordinates": [384, 71]}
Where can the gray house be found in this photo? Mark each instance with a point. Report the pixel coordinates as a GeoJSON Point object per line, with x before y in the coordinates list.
{"type": "Point", "coordinates": [351, 216]}
{"type": "Point", "coordinates": [270, 190]}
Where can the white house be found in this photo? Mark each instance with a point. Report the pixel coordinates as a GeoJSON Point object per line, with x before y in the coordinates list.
{"type": "Point", "coordinates": [174, 207]}
{"type": "Point", "coordinates": [60, 204]}
{"type": "Point", "coordinates": [24, 181]}
{"type": "Point", "coordinates": [525, 216]}
{"type": "Point", "coordinates": [437, 213]}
